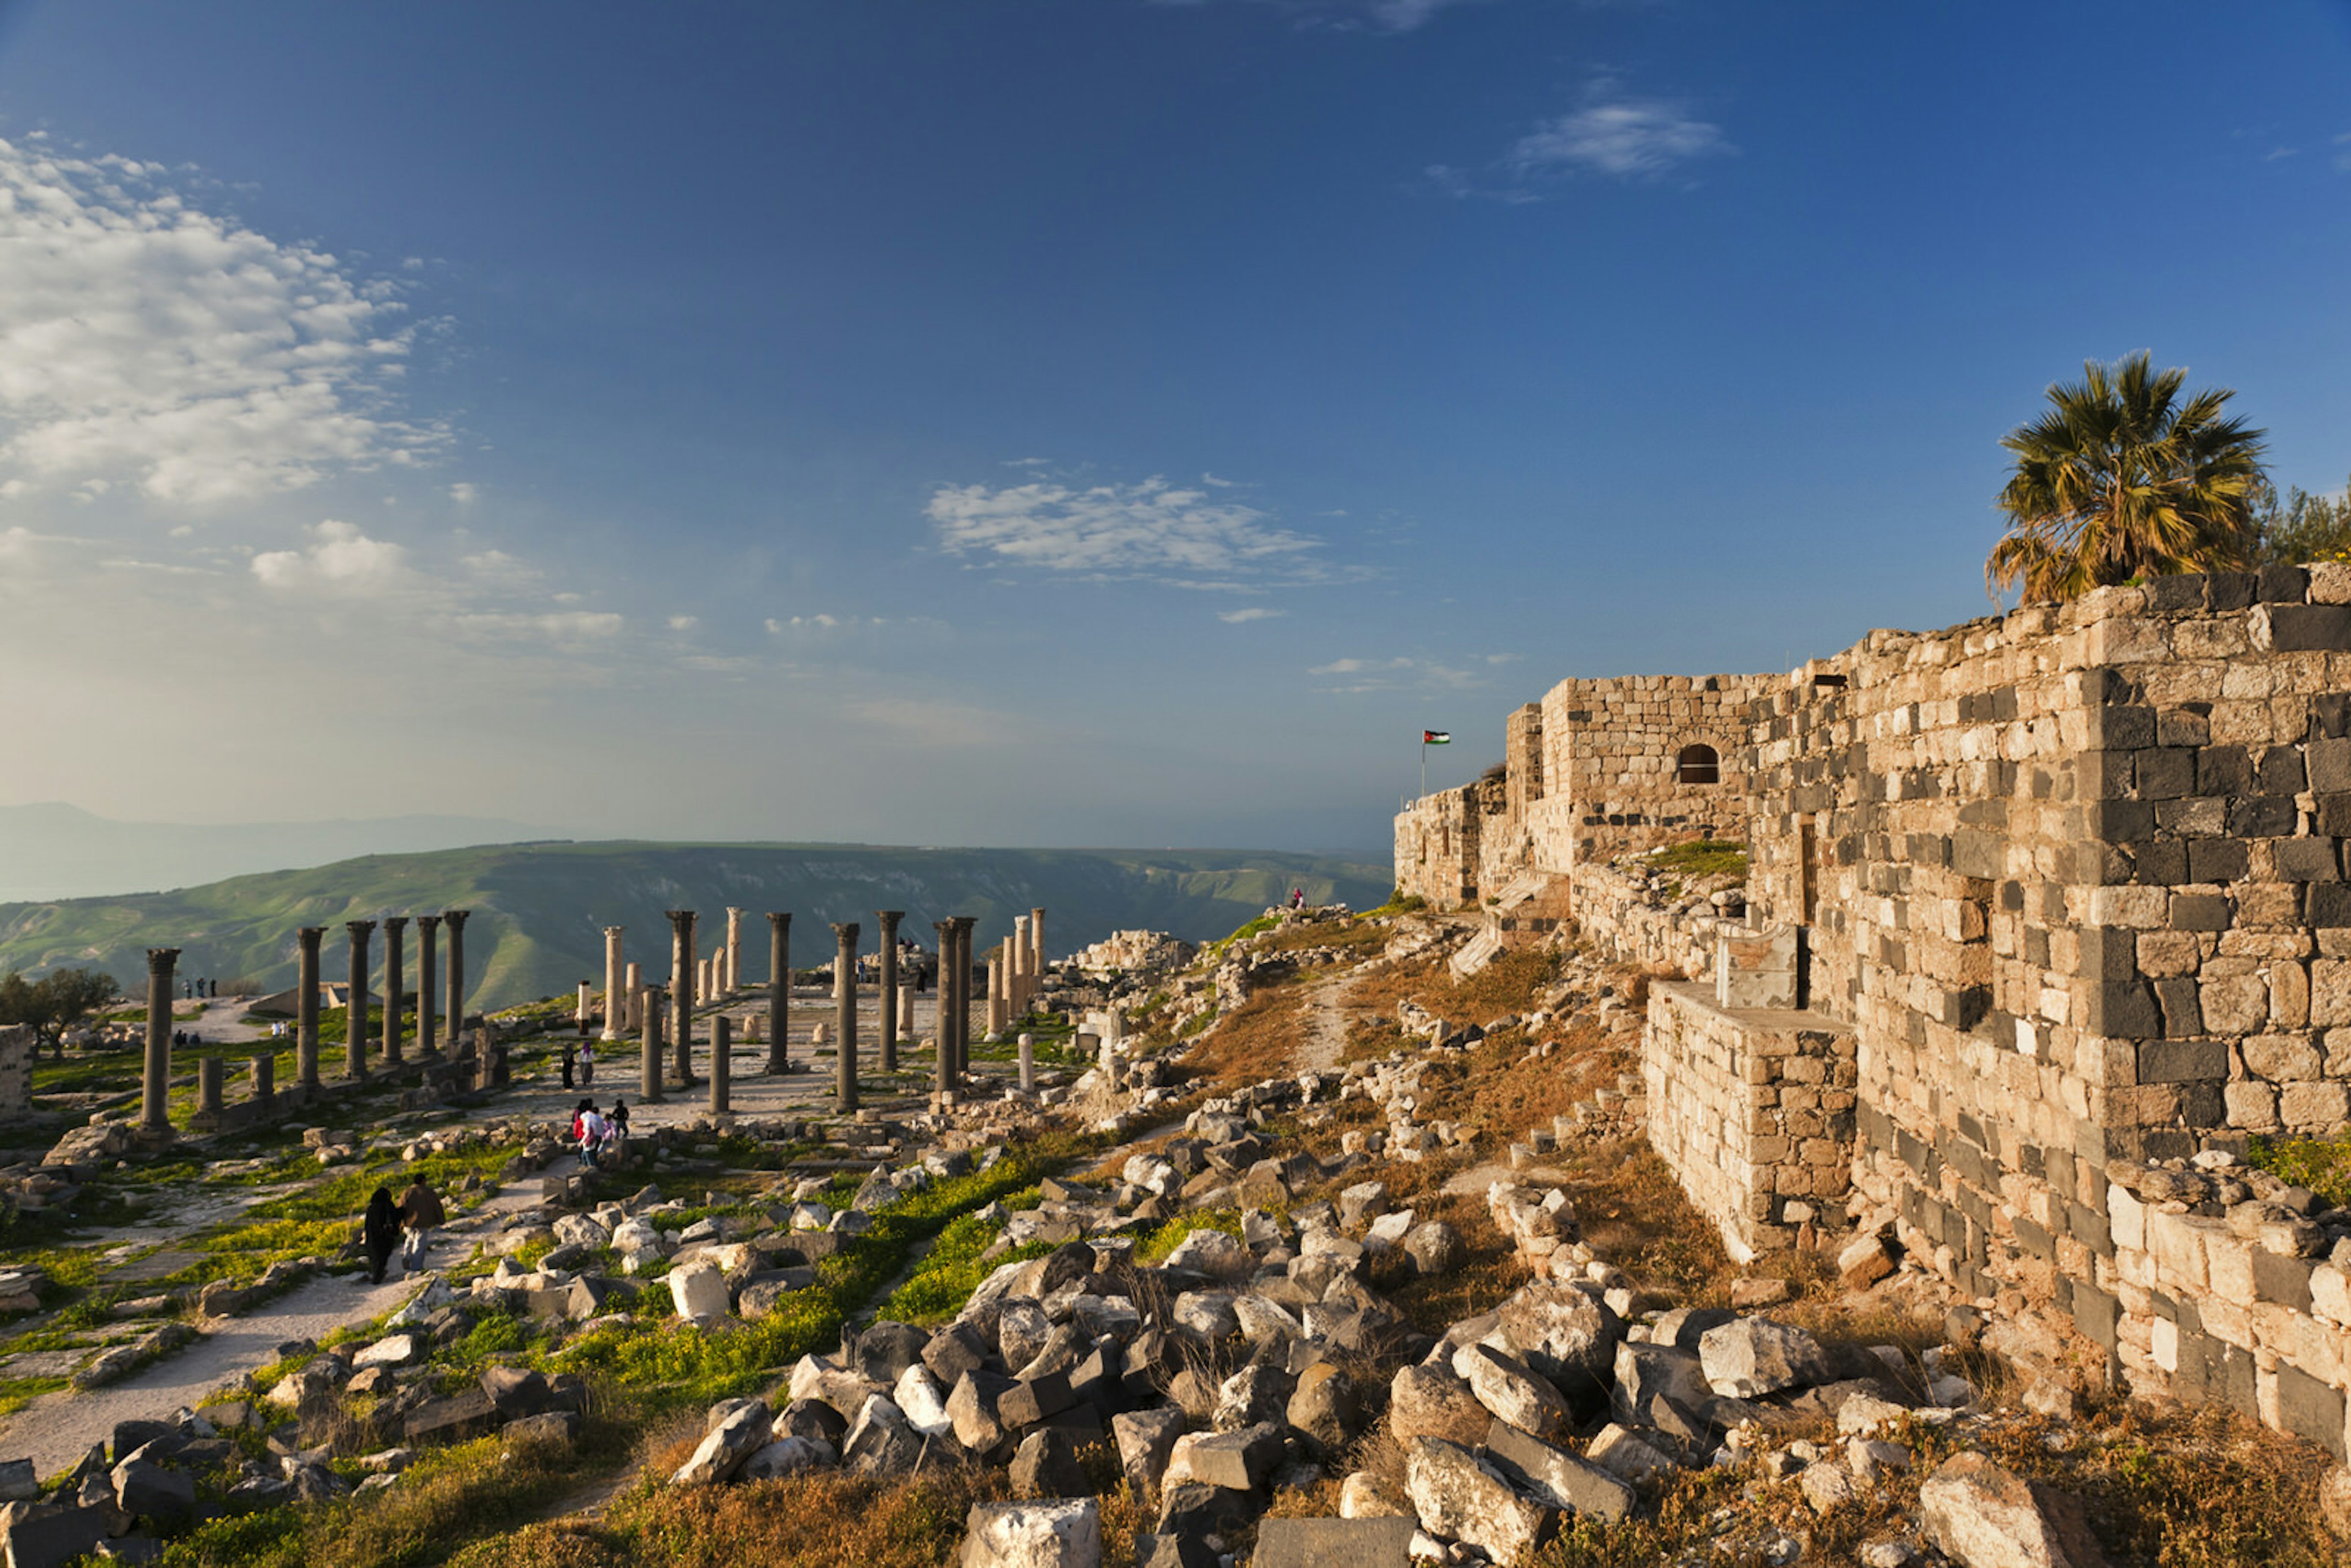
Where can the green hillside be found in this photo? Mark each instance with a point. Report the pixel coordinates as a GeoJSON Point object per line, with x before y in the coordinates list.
{"type": "Point", "coordinates": [540, 909]}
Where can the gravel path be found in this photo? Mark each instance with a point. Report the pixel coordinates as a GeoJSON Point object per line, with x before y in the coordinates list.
{"type": "Point", "coordinates": [1326, 1022]}
{"type": "Point", "coordinates": [56, 1429]}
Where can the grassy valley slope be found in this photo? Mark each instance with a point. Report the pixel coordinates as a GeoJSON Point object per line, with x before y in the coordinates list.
{"type": "Point", "coordinates": [541, 909]}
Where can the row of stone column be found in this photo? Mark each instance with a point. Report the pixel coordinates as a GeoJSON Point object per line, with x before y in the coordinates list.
{"type": "Point", "coordinates": [1015, 970]}
{"type": "Point", "coordinates": [156, 1078]}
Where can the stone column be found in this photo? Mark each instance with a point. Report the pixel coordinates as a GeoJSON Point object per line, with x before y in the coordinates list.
{"type": "Point", "coordinates": [456, 920]}
{"type": "Point", "coordinates": [1019, 952]}
{"type": "Point", "coordinates": [721, 1071]}
{"type": "Point", "coordinates": [906, 1012]}
{"type": "Point", "coordinates": [889, 1020]}
{"type": "Point", "coordinates": [155, 1083]}
{"type": "Point", "coordinates": [649, 1085]}
{"type": "Point", "coordinates": [1027, 1064]}
{"type": "Point", "coordinates": [632, 1001]}
{"type": "Point", "coordinates": [355, 1016]}
{"type": "Point", "coordinates": [962, 1027]}
{"type": "Point", "coordinates": [306, 1008]}
{"type": "Point", "coordinates": [943, 1071]}
{"type": "Point", "coordinates": [999, 991]}
{"type": "Point", "coordinates": [844, 999]}
{"type": "Point", "coordinates": [616, 997]}
{"type": "Point", "coordinates": [681, 990]}
{"type": "Point", "coordinates": [264, 1081]}
{"type": "Point", "coordinates": [584, 1006]}
{"type": "Point", "coordinates": [1036, 942]}
{"type": "Point", "coordinates": [734, 981]}
{"type": "Point", "coordinates": [780, 992]}
{"type": "Point", "coordinates": [209, 1080]}
{"type": "Point", "coordinates": [396, 981]}
{"type": "Point", "coordinates": [428, 986]}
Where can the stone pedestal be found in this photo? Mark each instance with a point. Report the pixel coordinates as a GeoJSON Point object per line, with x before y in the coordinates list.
{"type": "Point", "coordinates": [584, 1007]}
{"type": "Point", "coordinates": [616, 981]}
{"type": "Point", "coordinates": [264, 1083]}
{"type": "Point", "coordinates": [428, 986]}
{"type": "Point", "coordinates": [722, 1069]}
{"type": "Point", "coordinates": [649, 1084]}
{"type": "Point", "coordinates": [780, 992]}
{"type": "Point", "coordinates": [1027, 1064]}
{"type": "Point", "coordinates": [889, 954]}
{"type": "Point", "coordinates": [155, 1083]}
{"type": "Point", "coordinates": [395, 982]}
{"type": "Point", "coordinates": [355, 1015]}
{"type": "Point", "coordinates": [681, 993]}
{"type": "Point", "coordinates": [844, 1001]}
{"type": "Point", "coordinates": [306, 1008]}
{"type": "Point", "coordinates": [454, 919]}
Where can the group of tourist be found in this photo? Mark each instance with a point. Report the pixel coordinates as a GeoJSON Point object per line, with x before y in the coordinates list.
{"type": "Point", "coordinates": [598, 1133]}
{"type": "Point", "coordinates": [381, 1229]}
{"type": "Point", "coordinates": [191, 989]}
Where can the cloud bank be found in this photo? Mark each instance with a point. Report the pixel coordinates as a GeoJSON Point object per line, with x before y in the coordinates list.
{"type": "Point", "coordinates": [208, 363]}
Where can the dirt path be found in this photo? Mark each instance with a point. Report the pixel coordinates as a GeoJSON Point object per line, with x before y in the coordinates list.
{"type": "Point", "coordinates": [1326, 1021]}
{"type": "Point", "coordinates": [56, 1429]}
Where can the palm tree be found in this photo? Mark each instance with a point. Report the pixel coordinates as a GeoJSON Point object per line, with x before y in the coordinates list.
{"type": "Point", "coordinates": [2119, 479]}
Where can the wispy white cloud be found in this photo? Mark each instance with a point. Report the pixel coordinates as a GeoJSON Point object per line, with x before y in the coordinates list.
{"type": "Point", "coordinates": [1396, 674]}
{"type": "Point", "coordinates": [1354, 15]}
{"type": "Point", "coordinates": [465, 493]}
{"type": "Point", "coordinates": [1251, 612]}
{"type": "Point", "coordinates": [683, 622]}
{"type": "Point", "coordinates": [1617, 134]}
{"type": "Point", "coordinates": [1151, 529]}
{"type": "Point", "coordinates": [145, 339]}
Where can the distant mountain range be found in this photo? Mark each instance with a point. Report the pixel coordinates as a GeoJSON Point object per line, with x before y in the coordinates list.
{"type": "Point", "coordinates": [55, 851]}
{"type": "Point", "coordinates": [540, 908]}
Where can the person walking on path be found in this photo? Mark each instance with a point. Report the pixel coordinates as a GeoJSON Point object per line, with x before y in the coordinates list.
{"type": "Point", "coordinates": [588, 1127]}
{"type": "Point", "coordinates": [380, 1232]}
{"type": "Point", "coordinates": [570, 1052]}
{"type": "Point", "coordinates": [419, 1211]}
{"type": "Point", "coordinates": [587, 1065]}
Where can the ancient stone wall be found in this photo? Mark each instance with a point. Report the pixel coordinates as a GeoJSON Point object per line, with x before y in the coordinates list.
{"type": "Point", "coordinates": [1611, 758]}
{"type": "Point", "coordinates": [2075, 880]}
{"type": "Point", "coordinates": [17, 1042]}
{"type": "Point", "coordinates": [1436, 844]}
{"type": "Point", "coordinates": [1753, 1110]}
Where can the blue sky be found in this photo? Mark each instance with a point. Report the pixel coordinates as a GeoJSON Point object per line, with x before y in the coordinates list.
{"type": "Point", "coordinates": [1097, 422]}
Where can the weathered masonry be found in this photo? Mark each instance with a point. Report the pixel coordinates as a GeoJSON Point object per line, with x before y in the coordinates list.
{"type": "Point", "coordinates": [2033, 903]}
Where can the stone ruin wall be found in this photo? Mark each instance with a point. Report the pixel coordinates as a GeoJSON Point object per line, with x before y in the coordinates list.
{"type": "Point", "coordinates": [2074, 881]}
{"type": "Point", "coordinates": [17, 1042]}
{"type": "Point", "coordinates": [1609, 754]}
{"type": "Point", "coordinates": [1752, 1112]}
{"type": "Point", "coordinates": [1436, 844]}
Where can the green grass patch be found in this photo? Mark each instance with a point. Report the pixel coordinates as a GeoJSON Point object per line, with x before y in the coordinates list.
{"type": "Point", "coordinates": [1164, 1240]}
{"type": "Point", "coordinates": [2322, 1164]}
{"type": "Point", "coordinates": [1703, 857]}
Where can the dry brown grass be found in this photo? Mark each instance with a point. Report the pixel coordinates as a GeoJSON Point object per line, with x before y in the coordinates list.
{"type": "Point", "coordinates": [1256, 1040]}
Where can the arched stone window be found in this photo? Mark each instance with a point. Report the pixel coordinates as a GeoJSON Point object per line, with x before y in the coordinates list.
{"type": "Point", "coordinates": [1698, 765]}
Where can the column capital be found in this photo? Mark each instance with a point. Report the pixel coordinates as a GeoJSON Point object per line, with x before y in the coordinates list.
{"type": "Point", "coordinates": [888, 919]}
{"type": "Point", "coordinates": [428, 922]}
{"type": "Point", "coordinates": [681, 919]}
{"type": "Point", "coordinates": [307, 935]}
{"type": "Point", "coordinates": [455, 917]}
{"type": "Point", "coordinates": [160, 959]}
{"type": "Point", "coordinates": [781, 919]}
{"type": "Point", "coordinates": [732, 910]}
{"type": "Point", "coordinates": [943, 926]}
{"type": "Point", "coordinates": [614, 930]}
{"type": "Point", "coordinates": [846, 930]}
{"type": "Point", "coordinates": [395, 923]}
{"type": "Point", "coordinates": [965, 922]}
{"type": "Point", "coordinates": [358, 928]}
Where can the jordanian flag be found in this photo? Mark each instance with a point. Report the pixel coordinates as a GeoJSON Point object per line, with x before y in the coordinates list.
{"type": "Point", "coordinates": [1436, 737]}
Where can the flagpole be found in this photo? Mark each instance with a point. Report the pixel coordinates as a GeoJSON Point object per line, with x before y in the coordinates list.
{"type": "Point", "coordinates": [1424, 765]}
